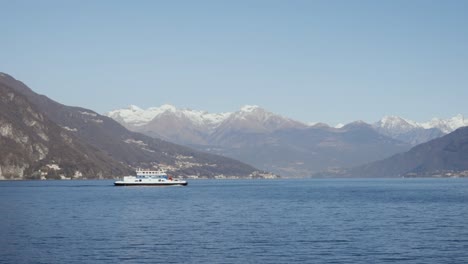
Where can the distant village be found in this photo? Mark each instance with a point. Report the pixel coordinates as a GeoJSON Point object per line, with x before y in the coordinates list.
{"type": "Point", "coordinates": [255, 175]}
{"type": "Point", "coordinates": [438, 174]}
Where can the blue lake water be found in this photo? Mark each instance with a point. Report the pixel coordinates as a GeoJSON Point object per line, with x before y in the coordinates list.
{"type": "Point", "coordinates": [238, 221]}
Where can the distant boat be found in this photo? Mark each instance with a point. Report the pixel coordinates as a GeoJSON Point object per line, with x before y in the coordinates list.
{"type": "Point", "coordinates": [149, 178]}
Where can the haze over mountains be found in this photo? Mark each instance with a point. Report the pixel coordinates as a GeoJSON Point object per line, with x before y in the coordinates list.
{"type": "Point", "coordinates": [442, 157]}
{"type": "Point", "coordinates": [40, 138]}
{"type": "Point", "coordinates": [280, 144]}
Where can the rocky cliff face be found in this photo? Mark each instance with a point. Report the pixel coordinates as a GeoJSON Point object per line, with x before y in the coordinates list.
{"type": "Point", "coordinates": [32, 146]}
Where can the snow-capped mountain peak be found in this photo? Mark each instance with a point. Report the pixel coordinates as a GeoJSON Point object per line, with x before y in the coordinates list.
{"type": "Point", "coordinates": [133, 115]}
{"type": "Point", "coordinates": [134, 108]}
{"type": "Point", "coordinates": [167, 108]}
{"type": "Point", "coordinates": [395, 125]}
{"type": "Point", "coordinates": [392, 121]}
{"type": "Point", "coordinates": [249, 108]}
{"type": "Point", "coordinates": [446, 125]}
{"type": "Point", "coordinates": [255, 118]}
{"type": "Point", "coordinates": [203, 117]}
{"type": "Point", "coordinates": [250, 117]}
{"type": "Point", "coordinates": [136, 116]}
{"type": "Point", "coordinates": [252, 112]}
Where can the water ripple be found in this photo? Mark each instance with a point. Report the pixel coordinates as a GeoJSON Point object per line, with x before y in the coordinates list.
{"type": "Point", "coordinates": [307, 221]}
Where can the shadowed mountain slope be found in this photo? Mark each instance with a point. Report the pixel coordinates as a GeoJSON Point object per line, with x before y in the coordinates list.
{"type": "Point", "coordinates": [440, 157]}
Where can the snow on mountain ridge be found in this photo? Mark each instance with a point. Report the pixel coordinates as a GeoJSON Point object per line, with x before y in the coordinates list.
{"type": "Point", "coordinates": [394, 125]}
{"type": "Point", "coordinates": [400, 125]}
{"type": "Point", "coordinates": [134, 108]}
{"type": "Point", "coordinates": [249, 108]}
{"type": "Point", "coordinates": [167, 108]}
{"type": "Point", "coordinates": [247, 116]}
{"type": "Point", "coordinates": [203, 117]}
{"type": "Point", "coordinates": [135, 116]}
{"type": "Point", "coordinates": [395, 121]}
{"type": "Point", "coordinates": [446, 125]}
{"type": "Point", "coordinates": [269, 120]}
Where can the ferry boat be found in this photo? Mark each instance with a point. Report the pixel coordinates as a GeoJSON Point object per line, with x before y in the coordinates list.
{"type": "Point", "coordinates": [149, 177]}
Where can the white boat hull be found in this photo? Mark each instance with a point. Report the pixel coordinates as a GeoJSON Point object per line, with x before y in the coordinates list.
{"type": "Point", "coordinates": [168, 183]}
{"type": "Point", "coordinates": [149, 178]}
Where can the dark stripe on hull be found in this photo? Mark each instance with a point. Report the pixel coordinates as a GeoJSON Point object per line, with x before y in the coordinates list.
{"type": "Point", "coordinates": [150, 184]}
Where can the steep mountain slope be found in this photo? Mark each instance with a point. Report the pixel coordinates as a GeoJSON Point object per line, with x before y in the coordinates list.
{"type": "Point", "coordinates": [127, 147]}
{"type": "Point", "coordinates": [34, 147]}
{"type": "Point", "coordinates": [445, 156]}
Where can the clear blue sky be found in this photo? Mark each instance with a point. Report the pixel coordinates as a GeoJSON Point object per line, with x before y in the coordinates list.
{"type": "Point", "coordinates": [329, 61]}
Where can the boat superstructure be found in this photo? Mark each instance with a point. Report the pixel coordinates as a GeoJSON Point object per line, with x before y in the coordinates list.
{"type": "Point", "coordinates": [149, 177]}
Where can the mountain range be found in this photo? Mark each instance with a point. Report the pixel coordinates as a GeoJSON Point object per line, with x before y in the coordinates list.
{"type": "Point", "coordinates": [205, 123]}
{"type": "Point", "coordinates": [273, 142]}
{"type": "Point", "coordinates": [41, 138]}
